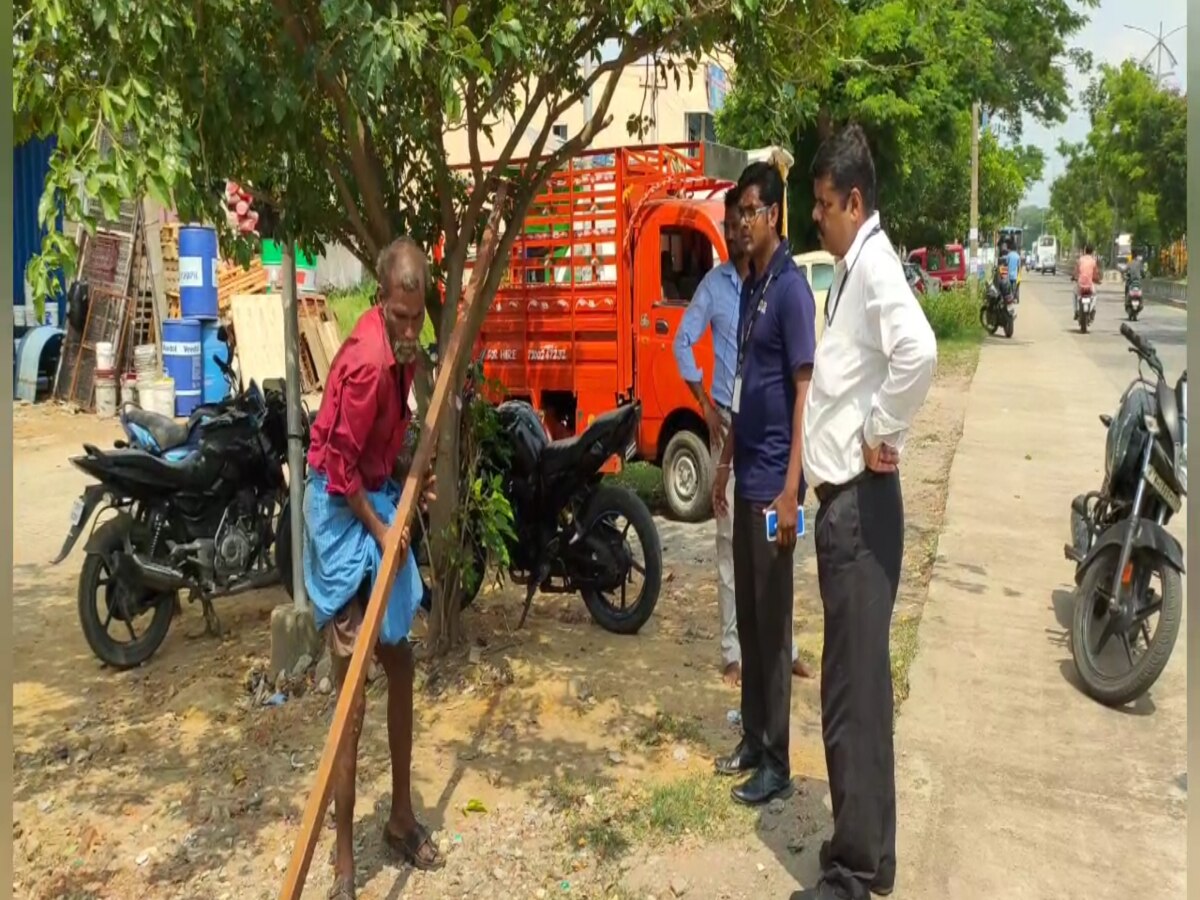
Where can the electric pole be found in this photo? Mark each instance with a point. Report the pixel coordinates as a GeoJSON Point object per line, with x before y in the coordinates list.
{"type": "Point", "coordinates": [1160, 47]}
{"type": "Point", "coordinates": [974, 236]}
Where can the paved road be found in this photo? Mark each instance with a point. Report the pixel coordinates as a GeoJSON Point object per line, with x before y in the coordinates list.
{"type": "Point", "coordinates": [1164, 325]}
{"type": "Point", "coordinates": [1011, 782]}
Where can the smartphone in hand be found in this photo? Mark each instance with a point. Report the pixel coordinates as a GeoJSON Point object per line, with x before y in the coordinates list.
{"type": "Point", "coordinates": [773, 523]}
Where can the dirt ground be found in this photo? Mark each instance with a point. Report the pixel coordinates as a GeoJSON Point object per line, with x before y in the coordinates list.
{"type": "Point", "coordinates": [558, 760]}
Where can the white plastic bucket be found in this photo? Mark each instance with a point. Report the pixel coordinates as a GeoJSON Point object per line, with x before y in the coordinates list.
{"type": "Point", "coordinates": [164, 397]}
{"type": "Point", "coordinates": [145, 362]}
{"type": "Point", "coordinates": [106, 356]}
{"type": "Point", "coordinates": [106, 394]}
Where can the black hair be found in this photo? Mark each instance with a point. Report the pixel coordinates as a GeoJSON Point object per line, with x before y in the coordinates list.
{"type": "Point", "coordinates": [769, 182]}
{"type": "Point", "coordinates": [1087, 248]}
{"type": "Point", "coordinates": [732, 196]}
{"type": "Point", "coordinates": [845, 159]}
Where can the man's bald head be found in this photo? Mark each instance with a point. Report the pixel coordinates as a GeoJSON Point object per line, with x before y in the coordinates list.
{"type": "Point", "coordinates": [403, 274]}
{"type": "Point", "coordinates": [403, 267]}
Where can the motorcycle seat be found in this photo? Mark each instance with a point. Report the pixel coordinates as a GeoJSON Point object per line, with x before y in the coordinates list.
{"type": "Point", "coordinates": [604, 433]}
{"type": "Point", "coordinates": [191, 471]}
{"type": "Point", "coordinates": [166, 432]}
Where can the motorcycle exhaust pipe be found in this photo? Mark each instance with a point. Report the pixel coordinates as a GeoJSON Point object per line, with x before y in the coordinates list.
{"type": "Point", "coordinates": [152, 575]}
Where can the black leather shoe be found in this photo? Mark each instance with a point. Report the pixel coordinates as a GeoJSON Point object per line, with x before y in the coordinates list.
{"type": "Point", "coordinates": [762, 787]}
{"type": "Point", "coordinates": [884, 883]}
{"type": "Point", "coordinates": [743, 759]}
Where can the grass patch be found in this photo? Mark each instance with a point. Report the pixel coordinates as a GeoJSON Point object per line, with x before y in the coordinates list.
{"type": "Point", "coordinates": [904, 650]}
{"type": "Point", "coordinates": [952, 313]}
{"type": "Point", "coordinates": [665, 728]}
{"type": "Point", "coordinates": [350, 303]}
{"type": "Point", "coordinates": [611, 822]}
{"type": "Point", "coordinates": [645, 480]}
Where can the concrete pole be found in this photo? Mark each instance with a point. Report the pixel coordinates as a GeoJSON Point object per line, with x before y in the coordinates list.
{"type": "Point", "coordinates": [291, 332]}
{"type": "Point", "coordinates": [974, 188]}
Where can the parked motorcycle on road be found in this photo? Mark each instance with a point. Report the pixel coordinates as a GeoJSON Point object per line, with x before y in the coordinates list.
{"type": "Point", "coordinates": [1133, 297]}
{"type": "Point", "coordinates": [202, 513]}
{"type": "Point", "coordinates": [1120, 545]}
{"type": "Point", "coordinates": [572, 531]}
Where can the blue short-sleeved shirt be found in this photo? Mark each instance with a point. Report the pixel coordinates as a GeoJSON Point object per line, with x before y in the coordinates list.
{"type": "Point", "coordinates": [781, 341]}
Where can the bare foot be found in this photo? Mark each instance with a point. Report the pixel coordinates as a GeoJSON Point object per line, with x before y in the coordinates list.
{"type": "Point", "coordinates": [800, 670]}
{"type": "Point", "coordinates": [732, 674]}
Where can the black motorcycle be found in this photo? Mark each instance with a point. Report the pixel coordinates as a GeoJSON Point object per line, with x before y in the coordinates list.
{"type": "Point", "coordinates": [203, 518]}
{"type": "Point", "coordinates": [571, 530]}
{"type": "Point", "coordinates": [1133, 297]}
{"type": "Point", "coordinates": [1120, 544]}
{"type": "Point", "coordinates": [999, 308]}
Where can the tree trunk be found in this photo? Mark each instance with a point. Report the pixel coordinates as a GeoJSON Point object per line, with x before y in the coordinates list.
{"type": "Point", "coordinates": [445, 621]}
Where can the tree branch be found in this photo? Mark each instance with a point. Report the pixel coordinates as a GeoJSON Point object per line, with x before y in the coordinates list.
{"type": "Point", "coordinates": [365, 238]}
{"type": "Point", "coordinates": [363, 157]}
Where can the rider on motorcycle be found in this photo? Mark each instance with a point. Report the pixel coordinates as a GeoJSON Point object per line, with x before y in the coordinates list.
{"type": "Point", "coordinates": [1087, 274]}
{"type": "Point", "coordinates": [1136, 270]}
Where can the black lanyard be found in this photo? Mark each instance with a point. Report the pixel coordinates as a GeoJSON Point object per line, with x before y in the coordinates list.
{"type": "Point", "coordinates": [753, 308]}
{"type": "Point", "coordinates": [831, 311]}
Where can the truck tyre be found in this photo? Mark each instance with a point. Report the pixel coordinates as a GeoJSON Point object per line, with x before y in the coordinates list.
{"type": "Point", "coordinates": [688, 477]}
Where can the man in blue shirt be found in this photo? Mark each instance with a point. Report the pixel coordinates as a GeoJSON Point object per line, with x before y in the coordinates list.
{"type": "Point", "coordinates": [1013, 260]}
{"type": "Point", "coordinates": [776, 344]}
{"type": "Point", "coordinates": [715, 305]}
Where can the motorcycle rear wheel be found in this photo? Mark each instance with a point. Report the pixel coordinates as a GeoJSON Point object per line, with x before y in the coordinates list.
{"type": "Point", "coordinates": [606, 504]}
{"type": "Point", "coordinates": [94, 577]}
{"type": "Point", "coordinates": [1091, 605]}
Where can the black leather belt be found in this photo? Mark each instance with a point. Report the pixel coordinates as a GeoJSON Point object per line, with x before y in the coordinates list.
{"type": "Point", "coordinates": [826, 492]}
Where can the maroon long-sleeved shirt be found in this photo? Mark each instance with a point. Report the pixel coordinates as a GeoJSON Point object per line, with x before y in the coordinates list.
{"type": "Point", "coordinates": [360, 428]}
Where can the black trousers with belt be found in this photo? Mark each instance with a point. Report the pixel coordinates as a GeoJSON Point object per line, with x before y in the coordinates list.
{"type": "Point", "coordinates": [859, 538]}
{"type": "Point", "coordinates": [762, 586]}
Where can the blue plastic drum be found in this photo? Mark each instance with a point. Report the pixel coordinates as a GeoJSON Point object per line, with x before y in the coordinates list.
{"type": "Point", "coordinates": [181, 358]}
{"type": "Point", "coordinates": [198, 272]}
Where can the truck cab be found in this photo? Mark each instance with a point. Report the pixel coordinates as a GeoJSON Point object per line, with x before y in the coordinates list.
{"type": "Point", "coordinates": [608, 258]}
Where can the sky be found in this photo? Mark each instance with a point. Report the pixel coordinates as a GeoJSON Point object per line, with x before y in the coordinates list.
{"type": "Point", "coordinates": [1109, 41]}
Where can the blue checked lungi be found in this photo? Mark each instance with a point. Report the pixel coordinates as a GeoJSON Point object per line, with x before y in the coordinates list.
{"type": "Point", "coordinates": [339, 553]}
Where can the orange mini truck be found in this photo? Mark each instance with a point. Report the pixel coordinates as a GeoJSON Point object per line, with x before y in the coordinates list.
{"type": "Point", "coordinates": [598, 280]}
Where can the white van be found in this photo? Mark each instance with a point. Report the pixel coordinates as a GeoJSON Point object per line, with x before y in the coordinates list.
{"type": "Point", "coordinates": [1047, 255]}
{"type": "Point", "coordinates": [817, 267]}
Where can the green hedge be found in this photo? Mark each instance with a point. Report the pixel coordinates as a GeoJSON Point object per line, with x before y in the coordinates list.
{"type": "Point", "coordinates": [952, 313]}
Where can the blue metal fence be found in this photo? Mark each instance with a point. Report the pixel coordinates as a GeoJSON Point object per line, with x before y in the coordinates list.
{"type": "Point", "coordinates": [31, 164]}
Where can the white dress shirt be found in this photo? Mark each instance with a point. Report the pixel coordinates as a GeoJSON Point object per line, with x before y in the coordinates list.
{"type": "Point", "coordinates": [874, 363]}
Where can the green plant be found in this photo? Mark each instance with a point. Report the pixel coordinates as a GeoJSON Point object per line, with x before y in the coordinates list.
{"type": "Point", "coordinates": [952, 313]}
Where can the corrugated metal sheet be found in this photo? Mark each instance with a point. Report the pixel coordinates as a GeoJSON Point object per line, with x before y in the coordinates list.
{"type": "Point", "coordinates": [31, 164]}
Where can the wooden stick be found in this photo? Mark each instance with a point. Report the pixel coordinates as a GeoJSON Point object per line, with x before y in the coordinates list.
{"type": "Point", "coordinates": [318, 799]}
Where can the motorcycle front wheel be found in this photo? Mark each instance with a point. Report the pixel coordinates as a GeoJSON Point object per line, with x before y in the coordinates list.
{"type": "Point", "coordinates": [1117, 666]}
{"type": "Point", "coordinates": [108, 605]}
{"type": "Point", "coordinates": [616, 512]}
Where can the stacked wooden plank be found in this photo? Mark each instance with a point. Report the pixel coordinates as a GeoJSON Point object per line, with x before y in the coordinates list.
{"type": "Point", "coordinates": [257, 322]}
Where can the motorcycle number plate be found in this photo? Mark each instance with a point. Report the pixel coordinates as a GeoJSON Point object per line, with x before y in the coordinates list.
{"type": "Point", "coordinates": [76, 511]}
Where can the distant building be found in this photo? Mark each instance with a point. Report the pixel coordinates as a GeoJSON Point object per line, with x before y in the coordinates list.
{"type": "Point", "coordinates": [679, 114]}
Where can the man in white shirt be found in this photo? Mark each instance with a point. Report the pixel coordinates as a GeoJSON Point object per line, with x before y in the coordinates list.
{"type": "Point", "coordinates": [872, 371]}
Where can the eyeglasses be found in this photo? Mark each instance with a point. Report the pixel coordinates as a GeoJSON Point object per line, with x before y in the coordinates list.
{"type": "Point", "coordinates": [752, 213]}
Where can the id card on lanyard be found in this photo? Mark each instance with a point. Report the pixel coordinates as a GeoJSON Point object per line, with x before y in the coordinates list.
{"type": "Point", "coordinates": [831, 310]}
{"type": "Point", "coordinates": [756, 306]}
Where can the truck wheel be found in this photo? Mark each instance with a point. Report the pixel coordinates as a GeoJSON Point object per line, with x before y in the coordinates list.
{"type": "Point", "coordinates": [688, 477]}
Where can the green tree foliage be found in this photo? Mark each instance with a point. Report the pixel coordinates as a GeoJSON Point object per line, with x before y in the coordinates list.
{"type": "Point", "coordinates": [1130, 174]}
{"type": "Point", "coordinates": [907, 70]}
{"type": "Point", "coordinates": [335, 114]}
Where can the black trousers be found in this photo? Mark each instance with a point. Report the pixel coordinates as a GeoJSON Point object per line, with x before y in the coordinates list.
{"type": "Point", "coordinates": [859, 539]}
{"type": "Point", "coordinates": [762, 587]}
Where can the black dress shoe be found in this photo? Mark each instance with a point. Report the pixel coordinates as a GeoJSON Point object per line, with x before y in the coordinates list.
{"type": "Point", "coordinates": [884, 883]}
{"type": "Point", "coordinates": [743, 759]}
{"type": "Point", "coordinates": [762, 787]}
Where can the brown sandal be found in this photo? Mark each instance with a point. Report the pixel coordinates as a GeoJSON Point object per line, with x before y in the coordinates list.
{"type": "Point", "coordinates": [342, 889]}
{"type": "Point", "coordinates": [409, 848]}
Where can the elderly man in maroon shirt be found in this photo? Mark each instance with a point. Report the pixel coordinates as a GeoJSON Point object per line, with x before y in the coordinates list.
{"type": "Point", "coordinates": [349, 503]}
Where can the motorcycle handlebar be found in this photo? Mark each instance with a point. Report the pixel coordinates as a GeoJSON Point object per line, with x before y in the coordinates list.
{"type": "Point", "coordinates": [1142, 347]}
